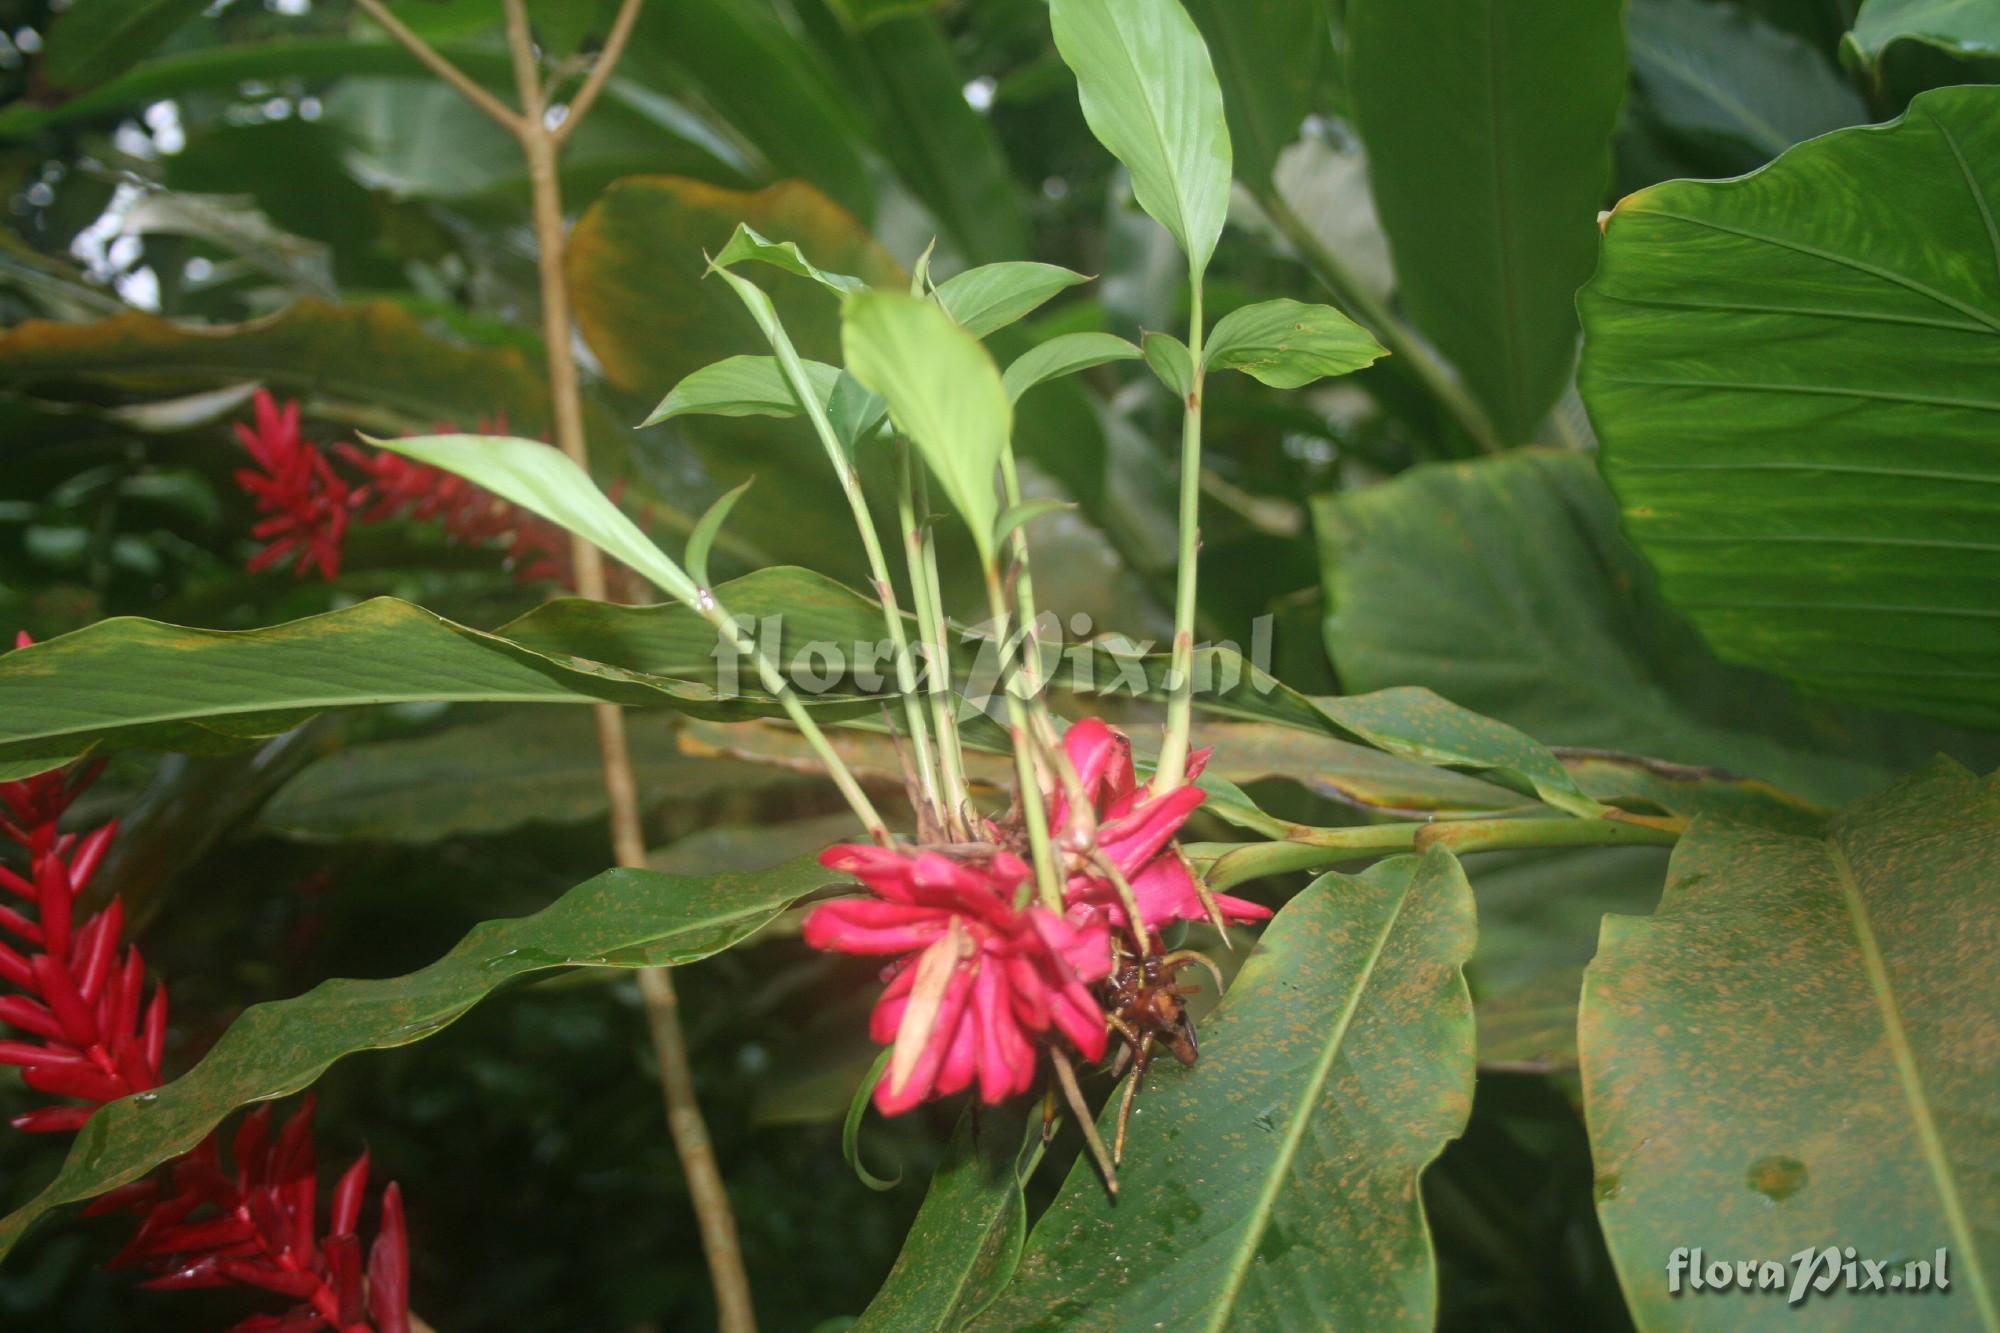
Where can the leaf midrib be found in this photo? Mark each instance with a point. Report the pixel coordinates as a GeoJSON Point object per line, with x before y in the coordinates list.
{"type": "Point", "coordinates": [1911, 1081]}
{"type": "Point", "coordinates": [1295, 1127]}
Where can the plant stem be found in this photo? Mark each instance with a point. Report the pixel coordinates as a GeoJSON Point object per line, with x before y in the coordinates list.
{"type": "Point", "coordinates": [600, 71]}
{"type": "Point", "coordinates": [1230, 864]}
{"type": "Point", "coordinates": [1401, 340]}
{"type": "Point", "coordinates": [441, 67]}
{"type": "Point", "coordinates": [689, 1131]}
{"type": "Point", "coordinates": [1033, 812]}
{"type": "Point", "coordinates": [912, 512]}
{"type": "Point", "coordinates": [1171, 772]}
{"type": "Point", "coordinates": [871, 545]}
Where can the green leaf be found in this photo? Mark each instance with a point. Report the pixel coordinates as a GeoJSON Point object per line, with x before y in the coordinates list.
{"type": "Point", "coordinates": [855, 410]}
{"type": "Point", "coordinates": [705, 532]}
{"type": "Point", "coordinates": [372, 364]}
{"type": "Point", "coordinates": [1024, 513]}
{"type": "Point", "coordinates": [1288, 344]}
{"type": "Point", "coordinates": [1150, 96]}
{"type": "Point", "coordinates": [531, 766]}
{"type": "Point", "coordinates": [1487, 192]}
{"type": "Point", "coordinates": [1064, 354]}
{"type": "Point", "coordinates": [966, 1240]}
{"type": "Point", "coordinates": [93, 42]}
{"type": "Point", "coordinates": [542, 480]}
{"type": "Point", "coordinates": [1804, 449]}
{"type": "Point", "coordinates": [1345, 772]}
{"type": "Point", "coordinates": [746, 245]}
{"type": "Point", "coordinates": [943, 392]}
{"type": "Point", "coordinates": [908, 75]}
{"type": "Point", "coordinates": [1277, 1178]}
{"type": "Point", "coordinates": [622, 918]}
{"type": "Point", "coordinates": [765, 85]}
{"type": "Point", "coordinates": [1539, 613]}
{"type": "Point", "coordinates": [850, 1127]}
{"type": "Point", "coordinates": [1168, 357]}
{"type": "Point", "coordinates": [1710, 69]}
{"type": "Point", "coordinates": [1269, 55]}
{"type": "Point", "coordinates": [128, 682]}
{"type": "Point", "coordinates": [742, 386]}
{"type": "Point", "coordinates": [1799, 1048]}
{"type": "Point", "coordinates": [993, 296]}
{"type": "Point", "coordinates": [1968, 28]}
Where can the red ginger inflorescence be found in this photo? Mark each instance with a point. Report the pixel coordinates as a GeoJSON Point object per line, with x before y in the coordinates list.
{"type": "Point", "coordinates": [89, 1034]}
{"type": "Point", "coordinates": [980, 984]}
{"type": "Point", "coordinates": [308, 506]}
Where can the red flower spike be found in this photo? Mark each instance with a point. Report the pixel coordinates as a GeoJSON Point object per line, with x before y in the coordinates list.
{"type": "Point", "coordinates": [980, 984]}
{"type": "Point", "coordinates": [305, 503]}
{"type": "Point", "coordinates": [1135, 831]}
{"type": "Point", "coordinates": [199, 1227]}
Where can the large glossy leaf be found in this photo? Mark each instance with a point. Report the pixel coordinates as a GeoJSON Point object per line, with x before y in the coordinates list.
{"type": "Point", "coordinates": [622, 918]}
{"type": "Point", "coordinates": [1269, 55]}
{"type": "Point", "coordinates": [93, 42]}
{"type": "Point", "coordinates": [1538, 613]}
{"type": "Point", "coordinates": [1805, 448]}
{"type": "Point", "coordinates": [1961, 27]}
{"type": "Point", "coordinates": [967, 1238]}
{"type": "Point", "coordinates": [1710, 69]}
{"type": "Point", "coordinates": [1273, 1185]}
{"type": "Point", "coordinates": [1799, 1049]}
{"type": "Point", "coordinates": [943, 391]}
{"type": "Point", "coordinates": [1150, 96]}
{"type": "Point", "coordinates": [1488, 127]}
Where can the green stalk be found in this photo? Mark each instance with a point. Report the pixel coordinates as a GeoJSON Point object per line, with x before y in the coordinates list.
{"type": "Point", "coordinates": [1230, 864]}
{"type": "Point", "coordinates": [912, 511]}
{"type": "Point", "coordinates": [794, 371]}
{"type": "Point", "coordinates": [1171, 772]}
{"type": "Point", "coordinates": [781, 689]}
{"type": "Point", "coordinates": [1032, 809]}
{"type": "Point", "coordinates": [1038, 705]}
{"type": "Point", "coordinates": [1353, 297]}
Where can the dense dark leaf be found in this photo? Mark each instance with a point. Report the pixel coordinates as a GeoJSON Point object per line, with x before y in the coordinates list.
{"type": "Point", "coordinates": [1537, 612]}
{"type": "Point", "coordinates": [1488, 128]}
{"type": "Point", "coordinates": [101, 40]}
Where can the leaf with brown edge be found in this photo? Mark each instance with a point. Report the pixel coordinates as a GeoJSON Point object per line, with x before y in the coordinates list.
{"type": "Point", "coordinates": [622, 918]}
{"type": "Point", "coordinates": [372, 364]}
{"type": "Point", "coordinates": [638, 255]}
{"type": "Point", "coordinates": [1800, 1048]}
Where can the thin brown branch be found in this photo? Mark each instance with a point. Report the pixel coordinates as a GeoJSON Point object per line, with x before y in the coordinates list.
{"type": "Point", "coordinates": [441, 67]}
{"type": "Point", "coordinates": [600, 72]}
{"type": "Point", "coordinates": [684, 1119]}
